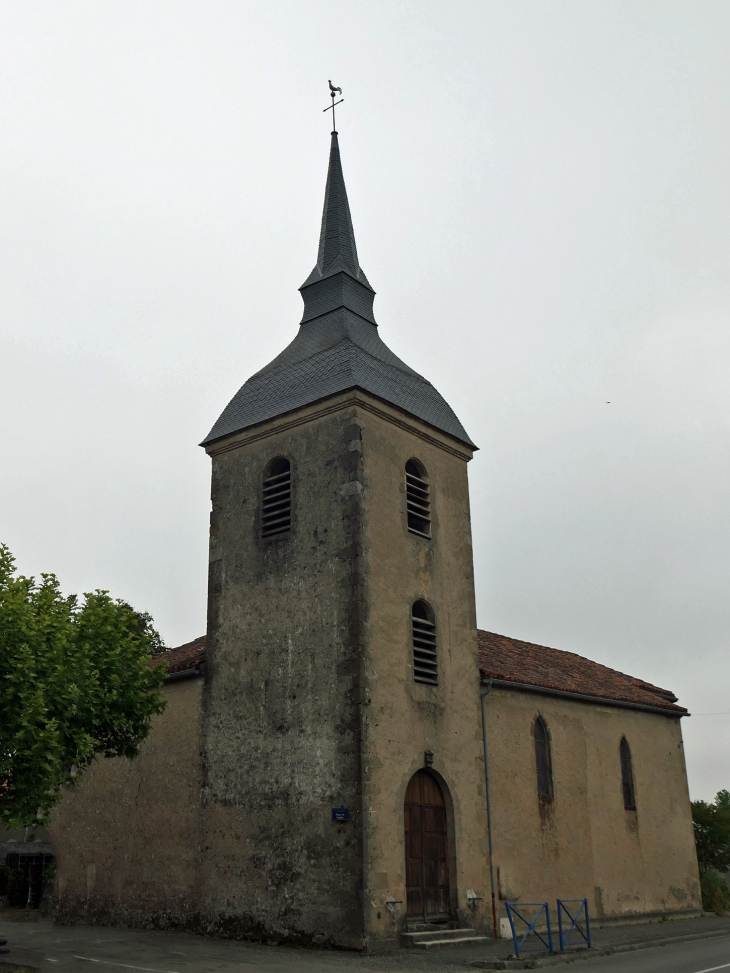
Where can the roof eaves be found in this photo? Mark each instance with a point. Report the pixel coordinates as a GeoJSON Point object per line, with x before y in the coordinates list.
{"type": "Point", "coordinates": [328, 395]}
{"type": "Point", "coordinates": [676, 712]}
{"type": "Point", "coordinates": [181, 674]}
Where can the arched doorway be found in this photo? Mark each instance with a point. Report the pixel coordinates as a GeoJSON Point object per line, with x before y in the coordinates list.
{"type": "Point", "coordinates": [427, 860]}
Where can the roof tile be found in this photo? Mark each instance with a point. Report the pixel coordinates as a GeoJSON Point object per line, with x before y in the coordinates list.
{"type": "Point", "coordinates": [184, 657]}
{"type": "Point", "coordinates": [511, 660]}
{"type": "Point", "coordinates": [515, 661]}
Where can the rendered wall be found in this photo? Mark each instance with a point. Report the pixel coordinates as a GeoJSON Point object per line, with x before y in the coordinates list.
{"type": "Point", "coordinates": [128, 839]}
{"type": "Point", "coordinates": [586, 844]}
{"type": "Point", "coordinates": [282, 720]}
{"type": "Point", "coordinates": [403, 719]}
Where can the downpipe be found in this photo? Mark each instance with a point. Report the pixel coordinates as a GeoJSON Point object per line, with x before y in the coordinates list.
{"type": "Point", "coordinates": [485, 692]}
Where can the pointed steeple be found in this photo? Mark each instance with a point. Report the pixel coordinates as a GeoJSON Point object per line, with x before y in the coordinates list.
{"type": "Point", "coordinates": [338, 346]}
{"type": "Point", "coordinates": [337, 254]}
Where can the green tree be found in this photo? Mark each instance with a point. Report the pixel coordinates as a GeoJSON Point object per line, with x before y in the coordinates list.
{"type": "Point", "coordinates": [712, 831]}
{"type": "Point", "coordinates": [715, 893]}
{"type": "Point", "coordinates": [75, 681]}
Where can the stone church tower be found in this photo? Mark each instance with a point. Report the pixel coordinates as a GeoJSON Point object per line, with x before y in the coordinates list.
{"type": "Point", "coordinates": [342, 761]}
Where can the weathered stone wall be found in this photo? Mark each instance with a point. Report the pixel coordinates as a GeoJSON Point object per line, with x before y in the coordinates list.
{"type": "Point", "coordinates": [585, 843]}
{"type": "Point", "coordinates": [282, 724]}
{"type": "Point", "coordinates": [128, 838]}
{"type": "Point", "coordinates": [403, 718]}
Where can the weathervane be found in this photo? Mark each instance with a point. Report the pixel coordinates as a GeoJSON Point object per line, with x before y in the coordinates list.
{"type": "Point", "coordinates": [333, 91]}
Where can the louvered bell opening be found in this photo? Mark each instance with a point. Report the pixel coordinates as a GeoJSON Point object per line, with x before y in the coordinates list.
{"type": "Point", "coordinates": [425, 661]}
{"type": "Point", "coordinates": [276, 506]}
{"type": "Point", "coordinates": [418, 502]}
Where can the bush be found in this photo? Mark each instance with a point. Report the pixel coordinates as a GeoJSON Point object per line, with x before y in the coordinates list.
{"type": "Point", "coordinates": [715, 893]}
{"type": "Point", "coordinates": [17, 888]}
{"type": "Point", "coordinates": [4, 872]}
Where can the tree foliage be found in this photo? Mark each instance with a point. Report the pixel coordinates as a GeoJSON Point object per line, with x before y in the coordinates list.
{"type": "Point", "coordinates": [715, 893]}
{"type": "Point", "coordinates": [75, 681]}
{"type": "Point", "coordinates": [712, 831]}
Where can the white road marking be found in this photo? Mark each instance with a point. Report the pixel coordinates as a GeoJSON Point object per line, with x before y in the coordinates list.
{"type": "Point", "coordinates": [126, 966]}
{"type": "Point", "coordinates": [710, 969]}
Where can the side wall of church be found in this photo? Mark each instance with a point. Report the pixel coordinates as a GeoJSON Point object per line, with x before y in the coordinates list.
{"type": "Point", "coordinates": [404, 719]}
{"type": "Point", "coordinates": [585, 843]}
{"type": "Point", "coordinates": [128, 839]}
{"type": "Point", "coordinates": [282, 730]}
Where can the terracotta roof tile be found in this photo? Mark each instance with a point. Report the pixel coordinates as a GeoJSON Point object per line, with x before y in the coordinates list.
{"type": "Point", "coordinates": [515, 661]}
{"type": "Point", "coordinates": [184, 657]}
{"type": "Point", "coordinates": [511, 660]}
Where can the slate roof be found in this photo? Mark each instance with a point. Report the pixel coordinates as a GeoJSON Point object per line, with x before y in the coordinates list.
{"type": "Point", "coordinates": [515, 661]}
{"type": "Point", "coordinates": [337, 249]}
{"type": "Point", "coordinates": [338, 346]}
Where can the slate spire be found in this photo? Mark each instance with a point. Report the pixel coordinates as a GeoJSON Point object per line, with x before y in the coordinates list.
{"type": "Point", "coordinates": [337, 254]}
{"type": "Point", "coordinates": [337, 250]}
{"type": "Point", "coordinates": [338, 346]}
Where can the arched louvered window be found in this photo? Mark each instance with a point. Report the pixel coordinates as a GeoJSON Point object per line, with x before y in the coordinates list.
{"type": "Point", "coordinates": [425, 659]}
{"type": "Point", "coordinates": [542, 759]}
{"type": "Point", "coordinates": [418, 499]}
{"type": "Point", "coordinates": [627, 776]}
{"type": "Point", "coordinates": [276, 498]}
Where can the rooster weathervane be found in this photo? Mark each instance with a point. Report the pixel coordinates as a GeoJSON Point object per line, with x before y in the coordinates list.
{"type": "Point", "coordinates": [334, 90]}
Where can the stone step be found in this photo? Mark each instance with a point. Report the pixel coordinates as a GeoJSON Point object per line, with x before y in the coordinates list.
{"type": "Point", "coordinates": [441, 937]}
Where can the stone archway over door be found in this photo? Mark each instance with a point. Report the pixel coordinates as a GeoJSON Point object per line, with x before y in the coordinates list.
{"type": "Point", "coordinates": [427, 861]}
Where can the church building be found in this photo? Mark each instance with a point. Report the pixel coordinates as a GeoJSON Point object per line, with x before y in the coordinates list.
{"type": "Point", "coordinates": [320, 773]}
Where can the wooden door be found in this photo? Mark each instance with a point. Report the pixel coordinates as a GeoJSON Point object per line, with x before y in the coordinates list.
{"type": "Point", "coordinates": [427, 864]}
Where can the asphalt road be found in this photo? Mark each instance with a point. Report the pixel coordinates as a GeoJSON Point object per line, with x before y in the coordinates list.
{"type": "Point", "coordinates": [698, 957]}
{"type": "Point", "coordinates": [89, 949]}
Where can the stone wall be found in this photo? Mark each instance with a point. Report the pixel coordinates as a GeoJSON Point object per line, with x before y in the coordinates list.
{"type": "Point", "coordinates": [282, 696]}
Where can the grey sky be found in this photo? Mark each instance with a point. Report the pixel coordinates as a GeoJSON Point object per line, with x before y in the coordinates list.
{"type": "Point", "coordinates": [540, 194]}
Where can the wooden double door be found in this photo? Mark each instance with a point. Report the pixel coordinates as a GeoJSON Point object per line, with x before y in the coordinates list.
{"type": "Point", "coordinates": [427, 862]}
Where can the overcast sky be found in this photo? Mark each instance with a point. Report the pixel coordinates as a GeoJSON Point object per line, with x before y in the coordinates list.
{"type": "Point", "coordinates": [540, 193]}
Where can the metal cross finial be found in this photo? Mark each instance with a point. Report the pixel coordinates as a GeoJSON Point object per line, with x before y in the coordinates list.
{"type": "Point", "coordinates": [333, 91]}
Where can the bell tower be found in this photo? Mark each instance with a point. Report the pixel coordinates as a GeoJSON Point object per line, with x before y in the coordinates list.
{"type": "Point", "coordinates": [342, 684]}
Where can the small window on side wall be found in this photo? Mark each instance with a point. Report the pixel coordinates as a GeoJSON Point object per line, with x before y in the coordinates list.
{"type": "Point", "coordinates": [276, 498]}
{"type": "Point", "coordinates": [425, 659]}
{"type": "Point", "coordinates": [418, 499]}
{"type": "Point", "coordinates": [543, 759]}
{"type": "Point", "coordinates": [627, 776]}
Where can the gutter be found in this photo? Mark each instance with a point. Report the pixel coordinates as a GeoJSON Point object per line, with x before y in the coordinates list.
{"type": "Point", "coordinates": [485, 692]}
{"type": "Point", "coordinates": [184, 674]}
{"type": "Point", "coordinates": [580, 698]}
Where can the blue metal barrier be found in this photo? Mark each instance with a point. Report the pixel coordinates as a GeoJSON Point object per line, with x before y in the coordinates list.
{"type": "Point", "coordinates": [574, 920]}
{"type": "Point", "coordinates": [514, 912]}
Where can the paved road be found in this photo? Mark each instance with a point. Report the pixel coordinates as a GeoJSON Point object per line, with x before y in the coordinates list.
{"type": "Point", "coordinates": [699, 957]}
{"type": "Point", "coordinates": [89, 949]}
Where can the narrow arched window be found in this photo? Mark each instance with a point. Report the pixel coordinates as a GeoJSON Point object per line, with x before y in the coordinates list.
{"type": "Point", "coordinates": [418, 499]}
{"type": "Point", "coordinates": [627, 776]}
{"type": "Point", "coordinates": [276, 498]}
{"type": "Point", "coordinates": [543, 760]}
{"type": "Point", "coordinates": [425, 659]}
